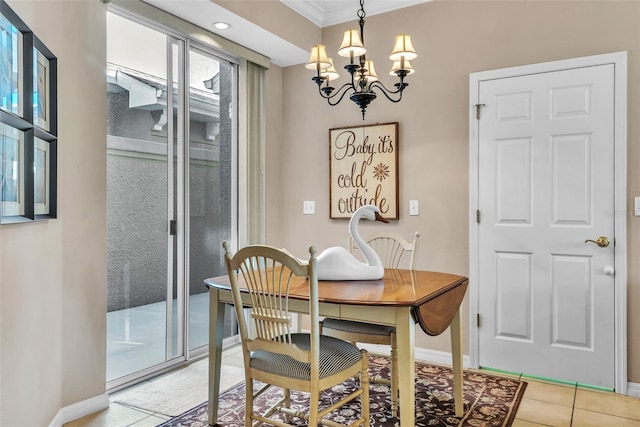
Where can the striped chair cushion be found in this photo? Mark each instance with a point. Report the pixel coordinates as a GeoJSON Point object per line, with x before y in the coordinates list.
{"type": "Point", "coordinates": [335, 356]}
{"type": "Point", "coordinates": [357, 327]}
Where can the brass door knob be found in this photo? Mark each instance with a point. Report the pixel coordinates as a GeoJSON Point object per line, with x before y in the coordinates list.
{"type": "Point", "coordinates": [601, 241]}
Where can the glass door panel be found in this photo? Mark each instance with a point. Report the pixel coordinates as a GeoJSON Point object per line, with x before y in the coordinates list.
{"type": "Point", "coordinates": [210, 204]}
{"type": "Point", "coordinates": [140, 201]}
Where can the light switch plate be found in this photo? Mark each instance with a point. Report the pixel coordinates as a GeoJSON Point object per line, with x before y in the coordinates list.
{"type": "Point", "coordinates": [637, 206]}
{"type": "Point", "coordinates": [308, 207]}
{"type": "Point", "coordinates": [413, 207]}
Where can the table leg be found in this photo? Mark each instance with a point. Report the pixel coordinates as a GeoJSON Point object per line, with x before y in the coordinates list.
{"type": "Point", "coordinates": [405, 336]}
{"type": "Point", "coordinates": [456, 352]}
{"type": "Point", "coordinates": [216, 324]}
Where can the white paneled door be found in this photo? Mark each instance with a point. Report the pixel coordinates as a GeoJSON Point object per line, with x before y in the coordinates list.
{"type": "Point", "coordinates": [545, 195]}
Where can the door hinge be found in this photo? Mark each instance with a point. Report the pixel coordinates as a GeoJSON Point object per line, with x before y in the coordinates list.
{"type": "Point", "coordinates": [172, 227]}
{"type": "Point", "coordinates": [478, 319]}
{"type": "Point", "coordinates": [478, 106]}
{"type": "Point", "coordinates": [478, 216]}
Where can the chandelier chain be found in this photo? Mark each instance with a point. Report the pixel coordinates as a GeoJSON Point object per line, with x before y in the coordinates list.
{"type": "Point", "coordinates": [361, 13]}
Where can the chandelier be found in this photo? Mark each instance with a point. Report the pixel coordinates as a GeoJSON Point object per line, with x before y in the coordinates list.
{"type": "Point", "coordinates": [363, 75]}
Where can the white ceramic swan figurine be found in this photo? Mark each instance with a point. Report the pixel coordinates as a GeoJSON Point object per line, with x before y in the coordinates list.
{"type": "Point", "coordinates": [337, 263]}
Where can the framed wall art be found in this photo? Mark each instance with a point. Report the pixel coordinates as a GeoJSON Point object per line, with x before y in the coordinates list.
{"type": "Point", "coordinates": [10, 66]}
{"type": "Point", "coordinates": [28, 123]}
{"type": "Point", "coordinates": [40, 90]}
{"type": "Point", "coordinates": [11, 174]}
{"type": "Point", "coordinates": [363, 169]}
{"type": "Point", "coordinates": [41, 181]}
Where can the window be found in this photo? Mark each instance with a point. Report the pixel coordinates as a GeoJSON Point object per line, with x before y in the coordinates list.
{"type": "Point", "coordinates": [28, 123]}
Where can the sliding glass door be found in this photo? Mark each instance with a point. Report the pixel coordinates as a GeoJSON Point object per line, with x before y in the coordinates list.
{"type": "Point", "coordinates": [170, 198]}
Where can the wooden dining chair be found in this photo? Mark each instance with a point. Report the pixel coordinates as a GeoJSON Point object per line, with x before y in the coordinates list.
{"type": "Point", "coordinates": [278, 357]}
{"type": "Point", "coordinates": [392, 249]}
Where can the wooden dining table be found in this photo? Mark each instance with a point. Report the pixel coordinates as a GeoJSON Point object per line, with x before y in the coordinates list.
{"type": "Point", "coordinates": [401, 299]}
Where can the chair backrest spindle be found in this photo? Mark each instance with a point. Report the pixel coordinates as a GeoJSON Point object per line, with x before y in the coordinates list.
{"type": "Point", "coordinates": [391, 247]}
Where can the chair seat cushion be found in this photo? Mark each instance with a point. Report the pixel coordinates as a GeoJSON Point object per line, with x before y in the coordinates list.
{"type": "Point", "coordinates": [335, 356]}
{"type": "Point", "coordinates": [357, 327]}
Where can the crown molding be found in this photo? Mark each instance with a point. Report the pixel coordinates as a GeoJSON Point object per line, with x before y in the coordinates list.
{"type": "Point", "coordinates": [325, 13]}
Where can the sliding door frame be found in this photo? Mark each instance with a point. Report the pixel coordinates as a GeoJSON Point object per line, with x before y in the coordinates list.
{"type": "Point", "coordinates": [178, 192]}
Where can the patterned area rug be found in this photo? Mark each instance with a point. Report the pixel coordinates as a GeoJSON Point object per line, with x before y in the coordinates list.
{"type": "Point", "coordinates": [489, 401]}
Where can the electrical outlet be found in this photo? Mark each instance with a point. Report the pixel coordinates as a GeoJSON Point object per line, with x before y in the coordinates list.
{"type": "Point", "coordinates": [637, 206]}
{"type": "Point", "coordinates": [413, 207]}
{"type": "Point", "coordinates": [308, 207]}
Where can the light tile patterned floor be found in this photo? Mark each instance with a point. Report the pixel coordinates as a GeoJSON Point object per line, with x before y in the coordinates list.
{"type": "Point", "coordinates": [550, 404]}
{"type": "Point", "coordinates": [125, 407]}
{"type": "Point", "coordinates": [544, 404]}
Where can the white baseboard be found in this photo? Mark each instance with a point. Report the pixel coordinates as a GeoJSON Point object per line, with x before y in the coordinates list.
{"type": "Point", "coordinates": [440, 357]}
{"type": "Point", "coordinates": [633, 389]}
{"type": "Point", "coordinates": [422, 354]}
{"type": "Point", "coordinates": [80, 409]}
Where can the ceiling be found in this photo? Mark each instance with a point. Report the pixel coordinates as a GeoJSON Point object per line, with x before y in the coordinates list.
{"type": "Point", "coordinates": [323, 13]}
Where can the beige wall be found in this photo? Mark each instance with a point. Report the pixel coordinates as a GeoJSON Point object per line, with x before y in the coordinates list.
{"type": "Point", "coordinates": [453, 38]}
{"type": "Point", "coordinates": [53, 273]}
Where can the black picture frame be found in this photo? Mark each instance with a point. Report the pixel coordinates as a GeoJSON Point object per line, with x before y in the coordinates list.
{"type": "Point", "coordinates": [35, 120]}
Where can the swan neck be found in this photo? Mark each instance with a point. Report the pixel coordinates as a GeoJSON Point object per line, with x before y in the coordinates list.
{"type": "Point", "coordinates": [370, 255]}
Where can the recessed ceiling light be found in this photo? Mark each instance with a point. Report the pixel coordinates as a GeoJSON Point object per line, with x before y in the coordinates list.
{"type": "Point", "coordinates": [221, 26]}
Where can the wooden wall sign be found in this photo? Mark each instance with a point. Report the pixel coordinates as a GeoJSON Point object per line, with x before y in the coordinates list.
{"type": "Point", "coordinates": [364, 169]}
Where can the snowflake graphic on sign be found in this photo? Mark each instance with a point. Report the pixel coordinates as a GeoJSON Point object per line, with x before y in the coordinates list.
{"type": "Point", "coordinates": [380, 171]}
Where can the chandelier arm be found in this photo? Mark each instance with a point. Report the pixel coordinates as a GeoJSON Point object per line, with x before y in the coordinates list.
{"type": "Point", "coordinates": [386, 92]}
{"type": "Point", "coordinates": [344, 89]}
{"type": "Point", "coordinates": [322, 91]}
